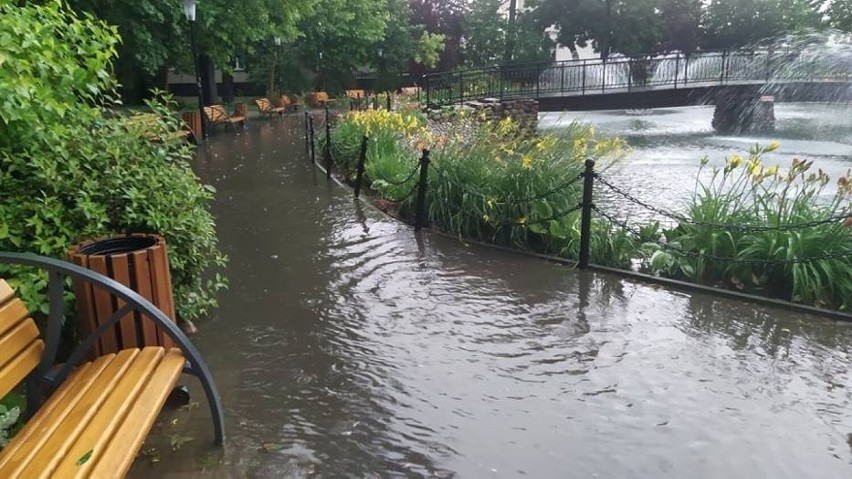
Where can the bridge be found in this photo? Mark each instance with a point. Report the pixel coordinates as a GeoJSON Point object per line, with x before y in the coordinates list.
{"type": "Point", "coordinates": [735, 82]}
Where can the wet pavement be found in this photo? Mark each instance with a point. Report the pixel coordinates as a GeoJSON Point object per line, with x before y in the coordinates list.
{"type": "Point", "coordinates": [348, 346]}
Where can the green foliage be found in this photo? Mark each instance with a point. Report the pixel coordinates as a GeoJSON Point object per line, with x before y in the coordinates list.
{"type": "Point", "coordinates": [733, 24]}
{"type": "Point", "coordinates": [8, 422]}
{"type": "Point", "coordinates": [840, 15]}
{"type": "Point", "coordinates": [767, 207]}
{"type": "Point", "coordinates": [10, 416]}
{"type": "Point", "coordinates": [634, 28]}
{"type": "Point", "coordinates": [429, 48]}
{"type": "Point", "coordinates": [68, 173]}
{"type": "Point", "coordinates": [488, 182]}
{"type": "Point", "coordinates": [485, 33]}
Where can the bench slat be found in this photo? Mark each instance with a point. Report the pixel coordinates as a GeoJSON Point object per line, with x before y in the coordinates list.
{"type": "Point", "coordinates": [16, 370]}
{"type": "Point", "coordinates": [122, 449]}
{"type": "Point", "coordinates": [62, 435]}
{"type": "Point", "coordinates": [6, 291]}
{"type": "Point", "coordinates": [110, 415]}
{"type": "Point", "coordinates": [12, 313]}
{"type": "Point", "coordinates": [30, 439]}
{"type": "Point", "coordinates": [16, 341]}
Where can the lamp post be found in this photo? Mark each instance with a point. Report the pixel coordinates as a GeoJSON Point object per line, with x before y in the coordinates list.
{"type": "Point", "coordinates": [189, 9]}
{"type": "Point", "coordinates": [277, 42]}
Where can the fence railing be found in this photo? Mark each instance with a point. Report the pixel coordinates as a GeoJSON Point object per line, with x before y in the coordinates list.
{"type": "Point", "coordinates": [618, 75]}
{"type": "Point", "coordinates": [590, 180]}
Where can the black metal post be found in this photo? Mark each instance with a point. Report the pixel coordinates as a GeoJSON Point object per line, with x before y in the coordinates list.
{"type": "Point", "coordinates": [461, 87]}
{"type": "Point", "coordinates": [327, 143]}
{"type": "Point", "coordinates": [307, 134]}
{"type": "Point", "coordinates": [768, 64]}
{"type": "Point", "coordinates": [603, 77]}
{"type": "Point", "coordinates": [722, 78]}
{"type": "Point", "coordinates": [584, 77]}
{"type": "Point", "coordinates": [362, 161]}
{"type": "Point", "coordinates": [501, 83]}
{"type": "Point", "coordinates": [313, 143]}
{"type": "Point", "coordinates": [426, 86]}
{"type": "Point", "coordinates": [389, 100]}
{"type": "Point", "coordinates": [204, 131]}
{"type": "Point", "coordinates": [586, 219]}
{"type": "Point", "coordinates": [420, 215]}
{"type": "Point", "coordinates": [629, 75]}
{"type": "Point", "coordinates": [562, 81]}
{"type": "Point", "coordinates": [537, 85]}
{"type": "Point", "coordinates": [677, 64]}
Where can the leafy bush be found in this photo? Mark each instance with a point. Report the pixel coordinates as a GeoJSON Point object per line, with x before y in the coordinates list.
{"type": "Point", "coordinates": [499, 185]}
{"type": "Point", "coordinates": [8, 422]}
{"type": "Point", "coordinates": [68, 172]}
{"type": "Point", "coordinates": [774, 230]}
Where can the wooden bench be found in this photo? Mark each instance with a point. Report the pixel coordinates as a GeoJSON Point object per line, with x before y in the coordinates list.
{"type": "Point", "coordinates": [86, 419]}
{"type": "Point", "coordinates": [151, 121]}
{"type": "Point", "coordinates": [217, 115]}
{"type": "Point", "coordinates": [357, 99]}
{"type": "Point", "coordinates": [266, 108]}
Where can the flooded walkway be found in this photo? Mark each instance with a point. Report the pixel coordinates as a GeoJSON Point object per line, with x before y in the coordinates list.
{"type": "Point", "coordinates": [349, 347]}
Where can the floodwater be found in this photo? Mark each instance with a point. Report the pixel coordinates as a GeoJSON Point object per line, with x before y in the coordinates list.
{"type": "Point", "coordinates": [348, 346]}
{"type": "Point", "coordinates": [668, 144]}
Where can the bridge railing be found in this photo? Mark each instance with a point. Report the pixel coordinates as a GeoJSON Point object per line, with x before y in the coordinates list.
{"type": "Point", "coordinates": [617, 75]}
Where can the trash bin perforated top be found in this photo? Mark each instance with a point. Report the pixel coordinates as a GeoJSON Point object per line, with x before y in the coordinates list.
{"type": "Point", "coordinates": [127, 244]}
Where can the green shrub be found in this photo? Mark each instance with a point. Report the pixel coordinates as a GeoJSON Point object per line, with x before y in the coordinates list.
{"type": "Point", "coordinates": [488, 182]}
{"type": "Point", "coordinates": [774, 230]}
{"type": "Point", "coordinates": [497, 184]}
{"type": "Point", "coordinates": [68, 173]}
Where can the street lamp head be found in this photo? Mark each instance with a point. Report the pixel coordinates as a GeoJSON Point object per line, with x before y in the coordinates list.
{"type": "Point", "coordinates": [189, 9]}
{"type": "Point", "coordinates": [277, 41]}
{"type": "Point", "coordinates": [381, 52]}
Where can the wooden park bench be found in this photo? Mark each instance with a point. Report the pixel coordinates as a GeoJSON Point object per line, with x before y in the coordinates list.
{"type": "Point", "coordinates": [87, 419]}
{"type": "Point", "coordinates": [266, 108]}
{"type": "Point", "coordinates": [217, 115]}
{"type": "Point", "coordinates": [357, 99]}
{"type": "Point", "coordinates": [151, 122]}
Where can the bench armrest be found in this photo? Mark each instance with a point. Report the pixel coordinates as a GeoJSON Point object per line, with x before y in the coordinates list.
{"type": "Point", "coordinates": [58, 270]}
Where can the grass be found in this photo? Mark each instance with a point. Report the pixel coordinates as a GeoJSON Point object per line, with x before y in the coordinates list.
{"type": "Point", "coordinates": [488, 182]}
{"type": "Point", "coordinates": [774, 229]}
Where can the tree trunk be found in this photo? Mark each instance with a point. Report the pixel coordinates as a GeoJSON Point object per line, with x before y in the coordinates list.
{"type": "Point", "coordinates": [227, 87]}
{"type": "Point", "coordinates": [208, 79]}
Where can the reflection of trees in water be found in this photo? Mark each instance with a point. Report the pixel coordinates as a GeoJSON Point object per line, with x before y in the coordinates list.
{"type": "Point", "coordinates": [775, 332]}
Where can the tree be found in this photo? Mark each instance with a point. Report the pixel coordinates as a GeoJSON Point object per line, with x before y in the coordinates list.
{"type": "Point", "coordinates": [682, 25]}
{"type": "Point", "coordinates": [840, 15]}
{"type": "Point", "coordinates": [630, 27]}
{"type": "Point", "coordinates": [155, 33]}
{"type": "Point", "coordinates": [445, 17]}
{"type": "Point", "coordinates": [731, 24]}
{"type": "Point", "coordinates": [484, 33]}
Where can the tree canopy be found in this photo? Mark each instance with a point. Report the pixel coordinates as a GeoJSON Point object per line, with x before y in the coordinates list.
{"type": "Point", "coordinates": [325, 42]}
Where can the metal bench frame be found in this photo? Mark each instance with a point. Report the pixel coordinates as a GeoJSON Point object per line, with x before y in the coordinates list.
{"type": "Point", "coordinates": [46, 378]}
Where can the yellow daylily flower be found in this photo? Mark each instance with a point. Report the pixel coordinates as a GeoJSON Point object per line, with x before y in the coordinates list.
{"type": "Point", "coordinates": [526, 162]}
{"type": "Point", "coordinates": [735, 161]}
{"type": "Point", "coordinates": [772, 146]}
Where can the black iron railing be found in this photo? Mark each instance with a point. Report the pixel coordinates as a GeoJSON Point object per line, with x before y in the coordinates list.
{"type": "Point", "coordinates": [619, 75]}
